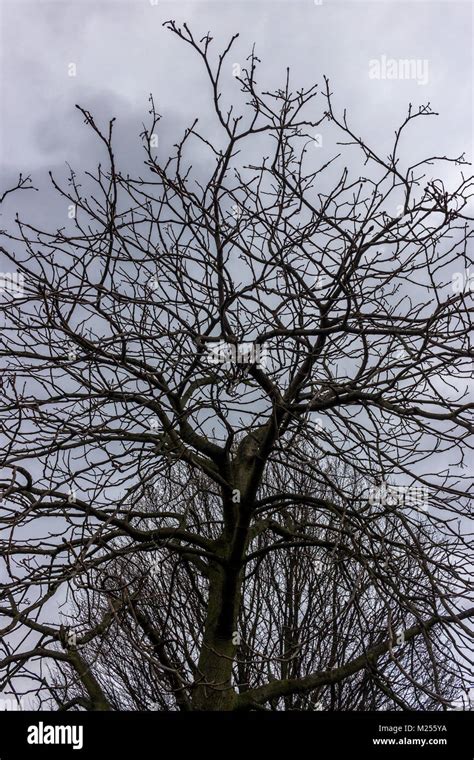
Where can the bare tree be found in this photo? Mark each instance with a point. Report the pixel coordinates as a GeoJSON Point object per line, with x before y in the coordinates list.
{"type": "Point", "coordinates": [263, 316]}
{"type": "Point", "coordinates": [304, 608]}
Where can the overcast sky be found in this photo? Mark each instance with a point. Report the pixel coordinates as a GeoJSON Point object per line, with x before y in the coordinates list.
{"type": "Point", "coordinates": [122, 53]}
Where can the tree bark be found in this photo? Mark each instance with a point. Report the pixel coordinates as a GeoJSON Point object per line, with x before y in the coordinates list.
{"type": "Point", "coordinates": [214, 690]}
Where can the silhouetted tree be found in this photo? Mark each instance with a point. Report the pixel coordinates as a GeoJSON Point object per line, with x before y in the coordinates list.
{"type": "Point", "coordinates": [264, 316]}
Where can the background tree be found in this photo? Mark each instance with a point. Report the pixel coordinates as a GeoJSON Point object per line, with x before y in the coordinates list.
{"type": "Point", "coordinates": [230, 319]}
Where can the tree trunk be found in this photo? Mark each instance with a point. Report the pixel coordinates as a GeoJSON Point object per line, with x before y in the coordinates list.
{"type": "Point", "coordinates": [213, 689]}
